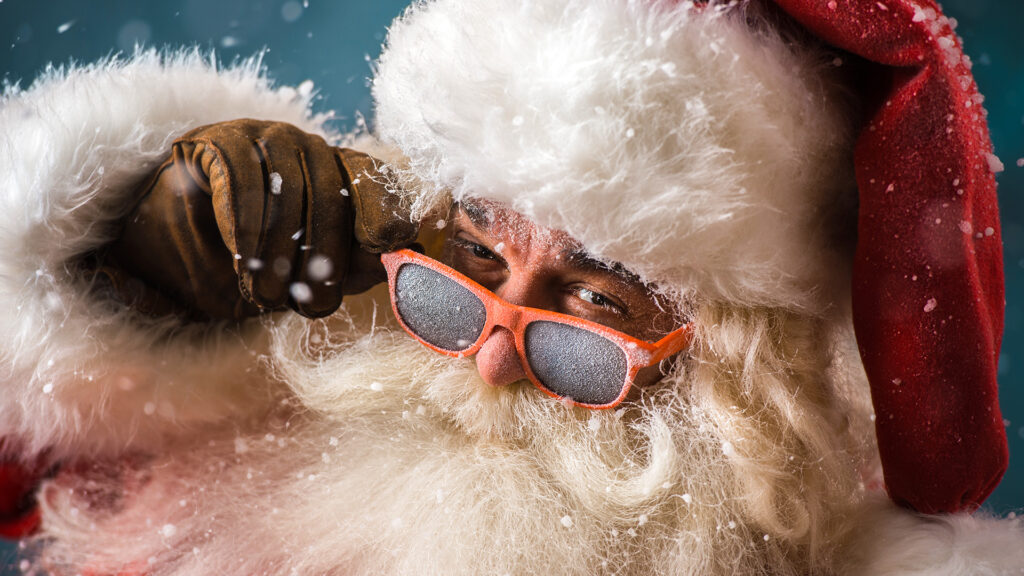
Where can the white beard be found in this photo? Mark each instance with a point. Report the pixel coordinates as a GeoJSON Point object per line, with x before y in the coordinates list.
{"type": "Point", "coordinates": [393, 459]}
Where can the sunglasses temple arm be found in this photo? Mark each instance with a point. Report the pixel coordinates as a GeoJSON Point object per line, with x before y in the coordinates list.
{"type": "Point", "coordinates": [671, 343]}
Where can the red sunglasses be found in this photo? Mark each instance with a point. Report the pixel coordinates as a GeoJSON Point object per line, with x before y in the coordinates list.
{"type": "Point", "coordinates": [586, 363]}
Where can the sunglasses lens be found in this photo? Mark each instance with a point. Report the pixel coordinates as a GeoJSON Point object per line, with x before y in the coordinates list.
{"type": "Point", "coordinates": [575, 363]}
{"type": "Point", "coordinates": [438, 309]}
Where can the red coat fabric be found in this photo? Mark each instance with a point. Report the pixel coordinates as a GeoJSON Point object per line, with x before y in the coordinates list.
{"type": "Point", "coordinates": [19, 517]}
{"type": "Point", "coordinates": [928, 279]}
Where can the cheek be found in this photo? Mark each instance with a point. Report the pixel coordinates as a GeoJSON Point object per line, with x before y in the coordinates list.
{"type": "Point", "coordinates": [653, 323]}
{"type": "Point", "coordinates": [646, 377]}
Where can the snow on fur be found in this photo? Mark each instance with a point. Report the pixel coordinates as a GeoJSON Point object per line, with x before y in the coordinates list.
{"type": "Point", "coordinates": [700, 155]}
{"type": "Point", "coordinates": [78, 375]}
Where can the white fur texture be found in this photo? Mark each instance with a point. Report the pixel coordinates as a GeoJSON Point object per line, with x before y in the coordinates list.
{"type": "Point", "coordinates": [703, 156]}
{"type": "Point", "coordinates": [80, 376]}
{"type": "Point", "coordinates": [898, 542]}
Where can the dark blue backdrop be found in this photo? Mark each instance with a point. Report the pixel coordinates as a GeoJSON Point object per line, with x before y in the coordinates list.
{"type": "Point", "coordinates": [332, 42]}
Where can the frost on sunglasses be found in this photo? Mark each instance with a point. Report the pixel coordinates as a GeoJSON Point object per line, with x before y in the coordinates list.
{"type": "Point", "coordinates": [584, 362]}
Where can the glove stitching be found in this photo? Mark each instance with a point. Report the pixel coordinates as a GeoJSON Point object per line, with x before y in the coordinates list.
{"type": "Point", "coordinates": [302, 256]}
{"type": "Point", "coordinates": [294, 271]}
{"type": "Point", "coordinates": [246, 277]}
{"type": "Point", "coordinates": [147, 188]}
{"type": "Point", "coordinates": [354, 196]}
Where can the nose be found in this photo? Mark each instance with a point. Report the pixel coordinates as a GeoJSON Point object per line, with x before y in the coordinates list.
{"type": "Point", "coordinates": [497, 360]}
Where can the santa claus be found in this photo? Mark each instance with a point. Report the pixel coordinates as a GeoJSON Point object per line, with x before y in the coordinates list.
{"type": "Point", "coordinates": [652, 236]}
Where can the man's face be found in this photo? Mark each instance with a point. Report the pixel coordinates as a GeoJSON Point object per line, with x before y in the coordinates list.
{"type": "Point", "coordinates": [527, 265]}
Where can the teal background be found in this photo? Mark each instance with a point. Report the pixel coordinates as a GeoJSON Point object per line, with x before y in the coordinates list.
{"type": "Point", "coordinates": [333, 42]}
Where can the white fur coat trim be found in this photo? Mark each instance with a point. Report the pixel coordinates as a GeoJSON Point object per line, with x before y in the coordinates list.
{"type": "Point", "coordinates": [891, 541]}
{"type": "Point", "coordinates": [702, 156]}
{"type": "Point", "coordinates": [78, 375]}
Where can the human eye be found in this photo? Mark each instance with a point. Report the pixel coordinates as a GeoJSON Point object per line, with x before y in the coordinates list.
{"type": "Point", "coordinates": [598, 300]}
{"type": "Point", "coordinates": [473, 249]}
{"type": "Point", "coordinates": [475, 259]}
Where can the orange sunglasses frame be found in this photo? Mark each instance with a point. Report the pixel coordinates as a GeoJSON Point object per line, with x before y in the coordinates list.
{"type": "Point", "coordinates": [639, 354]}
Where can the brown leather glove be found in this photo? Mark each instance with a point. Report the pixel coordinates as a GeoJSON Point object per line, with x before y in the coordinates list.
{"type": "Point", "coordinates": [247, 216]}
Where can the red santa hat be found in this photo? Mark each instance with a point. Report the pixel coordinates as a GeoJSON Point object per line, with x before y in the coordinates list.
{"type": "Point", "coordinates": [716, 155]}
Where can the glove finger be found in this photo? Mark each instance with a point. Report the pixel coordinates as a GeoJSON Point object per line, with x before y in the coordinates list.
{"type": "Point", "coordinates": [382, 222]}
{"type": "Point", "coordinates": [227, 162]}
{"type": "Point", "coordinates": [320, 269]}
{"type": "Point", "coordinates": [273, 215]}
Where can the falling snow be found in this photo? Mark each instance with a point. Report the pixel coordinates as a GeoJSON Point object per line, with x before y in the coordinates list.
{"type": "Point", "coordinates": [320, 268]}
{"type": "Point", "coordinates": [567, 521]}
{"type": "Point", "coordinates": [291, 11]}
{"type": "Point", "coordinates": [300, 292]}
{"type": "Point", "coordinates": [994, 164]}
{"type": "Point", "coordinates": [275, 183]}
{"type": "Point", "coordinates": [65, 26]}
{"type": "Point", "coordinates": [930, 305]}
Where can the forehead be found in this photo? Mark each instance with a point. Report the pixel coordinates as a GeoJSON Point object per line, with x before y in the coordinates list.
{"type": "Point", "coordinates": [523, 234]}
{"type": "Point", "coordinates": [515, 229]}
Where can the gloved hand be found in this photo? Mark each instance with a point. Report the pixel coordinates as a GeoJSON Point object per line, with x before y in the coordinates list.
{"type": "Point", "coordinates": [247, 216]}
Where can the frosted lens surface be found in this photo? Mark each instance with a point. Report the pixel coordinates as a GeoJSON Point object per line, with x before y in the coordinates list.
{"type": "Point", "coordinates": [575, 363]}
{"type": "Point", "coordinates": [437, 308]}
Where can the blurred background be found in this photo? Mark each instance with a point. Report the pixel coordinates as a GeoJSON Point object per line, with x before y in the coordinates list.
{"type": "Point", "coordinates": [334, 42]}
